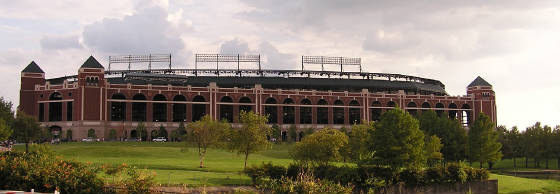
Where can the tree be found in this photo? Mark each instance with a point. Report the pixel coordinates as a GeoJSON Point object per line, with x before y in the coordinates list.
{"type": "Point", "coordinates": [358, 142]}
{"type": "Point", "coordinates": [451, 133]}
{"type": "Point", "coordinates": [179, 133]}
{"type": "Point", "coordinates": [5, 130]}
{"type": "Point", "coordinates": [433, 148]}
{"type": "Point", "coordinates": [206, 133]}
{"type": "Point", "coordinates": [483, 141]}
{"type": "Point", "coordinates": [113, 134]}
{"type": "Point", "coordinates": [26, 129]}
{"type": "Point", "coordinates": [6, 112]}
{"type": "Point", "coordinates": [276, 133]}
{"type": "Point", "coordinates": [69, 134]}
{"type": "Point", "coordinates": [91, 133]}
{"type": "Point", "coordinates": [320, 148]}
{"type": "Point", "coordinates": [398, 141]}
{"type": "Point", "coordinates": [292, 133]}
{"type": "Point", "coordinates": [162, 132]}
{"type": "Point", "coordinates": [141, 132]}
{"type": "Point", "coordinates": [556, 144]}
{"type": "Point", "coordinates": [251, 136]}
{"type": "Point", "coordinates": [511, 144]}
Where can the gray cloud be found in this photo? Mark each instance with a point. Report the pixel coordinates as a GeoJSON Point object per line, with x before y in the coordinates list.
{"type": "Point", "coordinates": [146, 31]}
{"type": "Point", "coordinates": [271, 57]}
{"type": "Point", "coordinates": [60, 42]}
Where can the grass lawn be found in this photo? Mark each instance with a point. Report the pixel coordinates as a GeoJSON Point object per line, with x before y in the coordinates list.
{"type": "Point", "coordinates": [507, 165]}
{"type": "Point", "coordinates": [518, 185]}
{"type": "Point", "coordinates": [171, 164]}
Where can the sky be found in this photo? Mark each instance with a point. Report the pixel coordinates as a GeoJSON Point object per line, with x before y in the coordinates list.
{"type": "Point", "coordinates": [512, 44]}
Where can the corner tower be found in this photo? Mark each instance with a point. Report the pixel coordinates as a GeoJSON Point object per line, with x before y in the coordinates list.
{"type": "Point", "coordinates": [91, 83]}
{"type": "Point", "coordinates": [484, 98]}
{"type": "Point", "coordinates": [31, 76]}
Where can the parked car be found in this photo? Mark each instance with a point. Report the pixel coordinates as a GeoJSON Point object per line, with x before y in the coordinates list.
{"type": "Point", "coordinates": [89, 139]}
{"type": "Point", "coordinates": [159, 139]}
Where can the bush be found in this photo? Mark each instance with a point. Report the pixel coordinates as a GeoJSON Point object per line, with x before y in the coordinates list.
{"type": "Point", "coordinates": [138, 181]}
{"type": "Point", "coordinates": [266, 170]}
{"type": "Point", "coordinates": [413, 177]}
{"type": "Point", "coordinates": [304, 184]}
{"type": "Point", "coordinates": [42, 171]}
{"type": "Point", "coordinates": [476, 174]}
{"type": "Point", "coordinates": [456, 173]}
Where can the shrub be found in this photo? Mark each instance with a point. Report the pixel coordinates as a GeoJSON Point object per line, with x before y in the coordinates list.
{"type": "Point", "coordinates": [435, 175]}
{"type": "Point", "coordinates": [266, 170]}
{"type": "Point", "coordinates": [44, 172]}
{"type": "Point", "coordinates": [456, 173]}
{"type": "Point", "coordinates": [138, 181]}
{"type": "Point", "coordinates": [412, 177]}
{"type": "Point", "coordinates": [304, 184]}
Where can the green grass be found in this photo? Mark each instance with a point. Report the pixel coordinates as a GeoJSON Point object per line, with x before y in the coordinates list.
{"type": "Point", "coordinates": [171, 163]}
{"type": "Point", "coordinates": [507, 165]}
{"type": "Point", "coordinates": [518, 185]}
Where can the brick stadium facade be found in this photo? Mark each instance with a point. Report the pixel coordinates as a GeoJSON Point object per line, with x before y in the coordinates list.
{"type": "Point", "coordinates": [94, 100]}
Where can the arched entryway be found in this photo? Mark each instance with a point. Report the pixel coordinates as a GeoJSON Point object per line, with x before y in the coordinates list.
{"type": "Point", "coordinates": [226, 110]}
{"type": "Point", "coordinates": [198, 108]}
{"type": "Point", "coordinates": [118, 109]}
{"type": "Point", "coordinates": [305, 116]}
{"type": "Point", "coordinates": [138, 107]}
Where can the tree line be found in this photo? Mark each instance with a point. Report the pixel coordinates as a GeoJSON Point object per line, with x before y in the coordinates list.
{"type": "Point", "coordinates": [541, 143]}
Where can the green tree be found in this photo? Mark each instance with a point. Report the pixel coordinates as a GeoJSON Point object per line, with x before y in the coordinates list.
{"type": "Point", "coordinates": [91, 133]}
{"type": "Point", "coordinates": [320, 148]}
{"type": "Point", "coordinates": [556, 144]}
{"type": "Point", "coordinates": [251, 136]}
{"type": "Point", "coordinates": [358, 142]}
{"type": "Point", "coordinates": [5, 130]}
{"type": "Point", "coordinates": [206, 133]}
{"type": "Point", "coordinates": [292, 133]}
{"type": "Point", "coordinates": [113, 134]}
{"type": "Point", "coordinates": [451, 133]}
{"type": "Point", "coordinates": [141, 131]}
{"type": "Point", "coordinates": [433, 148]}
{"type": "Point", "coordinates": [511, 144]}
{"type": "Point", "coordinates": [179, 133]}
{"type": "Point", "coordinates": [26, 129]}
{"type": "Point", "coordinates": [162, 132]}
{"type": "Point", "coordinates": [276, 132]}
{"type": "Point", "coordinates": [69, 134]}
{"type": "Point", "coordinates": [6, 112]}
{"type": "Point", "coordinates": [398, 141]}
{"type": "Point", "coordinates": [483, 141]}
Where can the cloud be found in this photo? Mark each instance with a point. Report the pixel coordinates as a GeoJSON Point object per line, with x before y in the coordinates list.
{"type": "Point", "coordinates": [60, 42]}
{"type": "Point", "coordinates": [271, 57]}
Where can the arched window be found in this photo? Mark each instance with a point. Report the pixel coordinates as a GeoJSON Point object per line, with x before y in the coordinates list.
{"type": "Point", "coordinates": [244, 106]}
{"type": "Point", "coordinates": [391, 104]}
{"type": "Point", "coordinates": [226, 110]}
{"type": "Point", "coordinates": [376, 111]}
{"type": "Point", "coordinates": [288, 112]}
{"type": "Point", "coordinates": [305, 112]}
{"type": "Point", "coordinates": [425, 107]}
{"type": "Point", "coordinates": [55, 108]}
{"type": "Point", "coordinates": [138, 108]}
{"type": "Point", "coordinates": [198, 108]}
{"type": "Point", "coordinates": [179, 109]}
{"type": "Point", "coordinates": [439, 109]}
{"type": "Point", "coordinates": [322, 112]}
{"type": "Point", "coordinates": [118, 109]}
{"type": "Point", "coordinates": [411, 108]}
{"type": "Point", "coordinates": [354, 115]}
{"type": "Point", "coordinates": [338, 112]}
{"type": "Point", "coordinates": [159, 113]}
{"type": "Point", "coordinates": [466, 115]}
{"type": "Point", "coordinates": [271, 110]}
{"type": "Point", "coordinates": [452, 111]}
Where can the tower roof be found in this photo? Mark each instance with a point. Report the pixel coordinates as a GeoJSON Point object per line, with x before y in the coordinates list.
{"type": "Point", "coordinates": [32, 68]}
{"type": "Point", "coordinates": [91, 62]}
{"type": "Point", "coordinates": [479, 82]}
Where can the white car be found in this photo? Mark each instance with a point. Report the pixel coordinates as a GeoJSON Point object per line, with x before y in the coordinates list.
{"type": "Point", "coordinates": [159, 139]}
{"type": "Point", "coordinates": [89, 139]}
